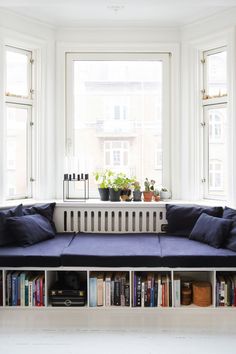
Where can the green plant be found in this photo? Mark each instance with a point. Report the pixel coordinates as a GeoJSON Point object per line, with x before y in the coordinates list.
{"type": "Point", "coordinates": [103, 178]}
{"type": "Point", "coordinates": [136, 185]}
{"type": "Point", "coordinates": [164, 189]}
{"type": "Point", "coordinates": [117, 181]}
{"type": "Point", "coordinates": [149, 185]}
{"type": "Point", "coordinates": [156, 192]}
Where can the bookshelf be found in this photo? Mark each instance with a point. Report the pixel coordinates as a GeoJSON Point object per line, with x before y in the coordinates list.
{"type": "Point", "coordinates": [125, 288]}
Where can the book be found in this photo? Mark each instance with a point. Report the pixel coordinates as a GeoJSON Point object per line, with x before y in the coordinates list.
{"type": "Point", "coordinates": [108, 279]}
{"type": "Point", "coordinates": [138, 290]}
{"type": "Point", "coordinates": [93, 290]}
{"type": "Point", "coordinates": [117, 289]}
{"type": "Point", "coordinates": [177, 291]}
{"type": "Point", "coordinates": [14, 288]}
{"type": "Point", "coordinates": [22, 289]}
{"type": "Point", "coordinates": [100, 289]}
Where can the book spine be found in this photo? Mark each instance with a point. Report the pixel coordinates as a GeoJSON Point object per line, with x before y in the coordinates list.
{"type": "Point", "coordinates": [134, 289]}
{"type": "Point", "coordinates": [127, 294]}
{"type": "Point", "coordinates": [108, 292]}
{"type": "Point", "coordinates": [30, 293]}
{"type": "Point", "coordinates": [93, 292]}
{"type": "Point", "coordinates": [26, 292]}
{"type": "Point", "coordinates": [117, 287]}
{"type": "Point", "coordinates": [138, 290]}
{"type": "Point", "coordinates": [14, 290]}
{"type": "Point", "coordinates": [142, 293]}
{"type": "Point", "coordinates": [9, 290]}
{"type": "Point", "coordinates": [99, 292]}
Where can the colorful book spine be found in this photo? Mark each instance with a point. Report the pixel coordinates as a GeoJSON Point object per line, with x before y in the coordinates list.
{"type": "Point", "coordinates": [93, 291]}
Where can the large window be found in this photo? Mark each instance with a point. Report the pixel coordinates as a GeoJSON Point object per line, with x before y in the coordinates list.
{"type": "Point", "coordinates": [214, 123]}
{"type": "Point", "coordinates": [117, 113]}
{"type": "Point", "coordinates": [19, 98]}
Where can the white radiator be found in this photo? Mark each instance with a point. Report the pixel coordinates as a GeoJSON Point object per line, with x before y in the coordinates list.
{"type": "Point", "coordinates": [110, 218]}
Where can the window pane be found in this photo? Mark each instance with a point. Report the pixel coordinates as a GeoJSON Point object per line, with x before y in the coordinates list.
{"type": "Point", "coordinates": [217, 152]}
{"type": "Point", "coordinates": [119, 102]}
{"type": "Point", "coordinates": [16, 161]}
{"type": "Point", "coordinates": [17, 81]}
{"type": "Point", "coordinates": [216, 74]}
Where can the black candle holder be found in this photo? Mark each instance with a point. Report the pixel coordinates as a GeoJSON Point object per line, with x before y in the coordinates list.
{"type": "Point", "coordinates": [75, 187]}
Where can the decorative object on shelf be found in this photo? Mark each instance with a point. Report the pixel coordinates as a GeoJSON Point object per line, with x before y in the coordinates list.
{"type": "Point", "coordinates": [103, 180]}
{"type": "Point", "coordinates": [116, 185]}
{"type": "Point", "coordinates": [202, 294]}
{"type": "Point", "coordinates": [126, 193]}
{"type": "Point", "coordinates": [164, 193]}
{"type": "Point", "coordinates": [149, 189]}
{"type": "Point", "coordinates": [137, 194]}
{"type": "Point", "coordinates": [156, 195]}
{"type": "Point", "coordinates": [75, 187]}
{"type": "Point", "coordinates": [186, 293]}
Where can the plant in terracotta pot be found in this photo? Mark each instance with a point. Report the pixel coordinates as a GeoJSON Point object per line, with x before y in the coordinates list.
{"type": "Point", "coordinates": [148, 190]}
{"type": "Point", "coordinates": [165, 193]}
{"type": "Point", "coordinates": [137, 194]}
{"type": "Point", "coordinates": [103, 179]}
{"type": "Point", "coordinates": [116, 185]}
{"type": "Point", "coordinates": [156, 195]}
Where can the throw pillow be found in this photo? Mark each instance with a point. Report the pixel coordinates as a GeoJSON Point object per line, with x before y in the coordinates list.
{"type": "Point", "coordinates": [29, 229]}
{"type": "Point", "coordinates": [230, 241]}
{"type": "Point", "coordinates": [182, 217]}
{"type": "Point", "coordinates": [45, 210]}
{"type": "Point", "coordinates": [211, 230]}
{"type": "Point", "coordinates": [5, 238]}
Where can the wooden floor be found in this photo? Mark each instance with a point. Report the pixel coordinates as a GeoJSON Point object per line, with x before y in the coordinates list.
{"type": "Point", "coordinates": [104, 332]}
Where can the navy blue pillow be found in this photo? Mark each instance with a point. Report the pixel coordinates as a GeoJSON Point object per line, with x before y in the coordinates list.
{"type": "Point", "coordinates": [5, 238]}
{"type": "Point", "coordinates": [230, 242]}
{"type": "Point", "coordinates": [45, 210]}
{"type": "Point", "coordinates": [182, 217]}
{"type": "Point", "coordinates": [29, 229]}
{"type": "Point", "coordinates": [211, 230]}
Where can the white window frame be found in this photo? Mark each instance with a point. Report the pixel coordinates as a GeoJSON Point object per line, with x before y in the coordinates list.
{"type": "Point", "coordinates": [29, 104]}
{"type": "Point", "coordinates": [207, 104]}
{"type": "Point", "coordinates": [135, 56]}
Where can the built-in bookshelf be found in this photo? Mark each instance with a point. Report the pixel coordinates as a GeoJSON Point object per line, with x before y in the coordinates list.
{"type": "Point", "coordinates": [139, 288]}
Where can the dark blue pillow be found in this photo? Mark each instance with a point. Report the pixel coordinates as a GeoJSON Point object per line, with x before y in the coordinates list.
{"type": "Point", "coordinates": [230, 241]}
{"type": "Point", "coordinates": [182, 217]}
{"type": "Point", "coordinates": [211, 230]}
{"type": "Point", "coordinates": [45, 210]}
{"type": "Point", "coordinates": [5, 238]}
{"type": "Point", "coordinates": [29, 229]}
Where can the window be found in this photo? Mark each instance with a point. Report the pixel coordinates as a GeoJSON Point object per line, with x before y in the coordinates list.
{"type": "Point", "coordinates": [116, 115]}
{"type": "Point", "coordinates": [19, 122]}
{"type": "Point", "coordinates": [214, 102]}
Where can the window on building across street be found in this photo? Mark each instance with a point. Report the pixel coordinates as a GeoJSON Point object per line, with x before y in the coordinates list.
{"type": "Point", "coordinates": [19, 101]}
{"type": "Point", "coordinates": [214, 123]}
{"type": "Point", "coordinates": [117, 111]}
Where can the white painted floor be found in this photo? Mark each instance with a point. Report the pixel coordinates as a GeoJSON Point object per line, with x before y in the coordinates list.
{"type": "Point", "coordinates": [105, 332]}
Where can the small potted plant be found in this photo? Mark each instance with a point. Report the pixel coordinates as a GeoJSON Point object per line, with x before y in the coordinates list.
{"type": "Point", "coordinates": [156, 195]}
{"type": "Point", "coordinates": [164, 193]}
{"type": "Point", "coordinates": [103, 179]}
{"type": "Point", "coordinates": [137, 194]}
{"type": "Point", "coordinates": [148, 190]}
{"type": "Point", "coordinates": [125, 194]}
{"type": "Point", "coordinates": [116, 185]}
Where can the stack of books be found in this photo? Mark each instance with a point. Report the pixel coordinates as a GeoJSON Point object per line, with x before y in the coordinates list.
{"type": "Point", "coordinates": [25, 289]}
{"type": "Point", "coordinates": [151, 289]}
{"type": "Point", "coordinates": [225, 289]}
{"type": "Point", "coordinates": [109, 289]}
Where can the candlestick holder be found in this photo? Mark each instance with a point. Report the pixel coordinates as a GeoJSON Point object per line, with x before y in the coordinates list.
{"type": "Point", "coordinates": [75, 187]}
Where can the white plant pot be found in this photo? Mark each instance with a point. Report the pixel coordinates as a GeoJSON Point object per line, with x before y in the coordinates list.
{"type": "Point", "coordinates": [165, 195]}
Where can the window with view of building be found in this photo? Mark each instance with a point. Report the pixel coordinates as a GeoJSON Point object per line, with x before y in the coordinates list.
{"type": "Point", "coordinates": [18, 107]}
{"type": "Point", "coordinates": [115, 113]}
{"type": "Point", "coordinates": [215, 123]}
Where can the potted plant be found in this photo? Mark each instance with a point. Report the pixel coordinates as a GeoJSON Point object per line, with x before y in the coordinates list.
{"type": "Point", "coordinates": [148, 190]}
{"type": "Point", "coordinates": [156, 195]}
{"type": "Point", "coordinates": [116, 185]}
{"type": "Point", "coordinates": [103, 179]}
{"type": "Point", "coordinates": [164, 193]}
{"type": "Point", "coordinates": [137, 194]}
{"type": "Point", "coordinates": [126, 194]}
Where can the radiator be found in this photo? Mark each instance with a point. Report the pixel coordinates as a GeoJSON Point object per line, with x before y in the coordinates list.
{"type": "Point", "coordinates": [110, 219]}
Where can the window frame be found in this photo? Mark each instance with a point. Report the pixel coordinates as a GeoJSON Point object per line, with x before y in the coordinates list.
{"type": "Point", "coordinates": [165, 57]}
{"type": "Point", "coordinates": [28, 103]}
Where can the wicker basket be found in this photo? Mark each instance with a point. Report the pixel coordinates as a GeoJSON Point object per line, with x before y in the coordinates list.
{"type": "Point", "coordinates": [202, 293]}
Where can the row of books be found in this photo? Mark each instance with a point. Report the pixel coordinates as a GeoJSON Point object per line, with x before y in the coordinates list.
{"type": "Point", "coordinates": [25, 289]}
{"type": "Point", "coordinates": [226, 290]}
{"type": "Point", "coordinates": [151, 289]}
{"type": "Point", "coordinates": [109, 289]}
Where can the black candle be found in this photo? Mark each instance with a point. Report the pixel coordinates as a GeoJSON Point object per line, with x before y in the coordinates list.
{"type": "Point", "coordinates": [82, 176]}
{"type": "Point", "coordinates": [78, 177]}
{"type": "Point", "coordinates": [73, 175]}
{"type": "Point", "coordinates": [86, 175]}
{"type": "Point", "coordinates": [69, 177]}
{"type": "Point", "coordinates": [66, 177]}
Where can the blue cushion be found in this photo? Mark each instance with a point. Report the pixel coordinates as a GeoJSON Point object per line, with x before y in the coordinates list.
{"type": "Point", "coordinates": [43, 254]}
{"type": "Point", "coordinates": [113, 250]}
{"type": "Point", "coordinates": [5, 238]}
{"type": "Point", "coordinates": [45, 210]}
{"type": "Point", "coordinates": [29, 229]}
{"type": "Point", "coordinates": [182, 252]}
{"type": "Point", "coordinates": [182, 218]}
{"type": "Point", "coordinates": [211, 230]}
{"type": "Point", "coordinates": [230, 241]}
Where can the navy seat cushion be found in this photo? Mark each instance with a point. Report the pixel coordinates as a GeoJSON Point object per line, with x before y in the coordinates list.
{"type": "Point", "coordinates": [5, 238]}
{"type": "Point", "coordinates": [27, 230]}
{"type": "Point", "coordinates": [43, 254]}
{"type": "Point", "coordinates": [46, 210]}
{"type": "Point", "coordinates": [182, 252]}
{"type": "Point", "coordinates": [182, 217]}
{"type": "Point", "coordinates": [230, 241]}
{"type": "Point", "coordinates": [211, 230]}
{"type": "Point", "coordinates": [113, 250]}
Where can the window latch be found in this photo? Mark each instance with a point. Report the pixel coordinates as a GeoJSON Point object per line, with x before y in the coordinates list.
{"type": "Point", "coordinates": [203, 124]}
{"type": "Point", "coordinates": [203, 180]}
{"type": "Point", "coordinates": [32, 179]}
